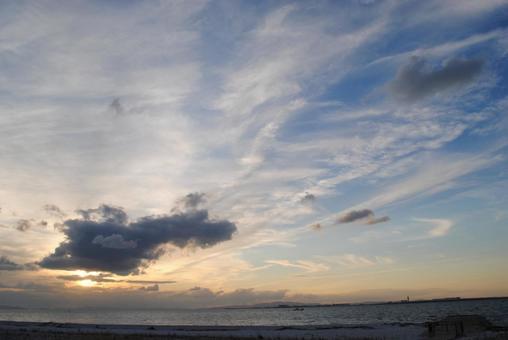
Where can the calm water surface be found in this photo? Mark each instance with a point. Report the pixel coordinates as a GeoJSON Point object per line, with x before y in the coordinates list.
{"type": "Point", "coordinates": [495, 310]}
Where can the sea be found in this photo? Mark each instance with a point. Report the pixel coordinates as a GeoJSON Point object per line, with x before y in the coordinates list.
{"type": "Point", "coordinates": [495, 310]}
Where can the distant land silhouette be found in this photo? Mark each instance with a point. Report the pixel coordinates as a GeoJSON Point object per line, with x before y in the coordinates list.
{"type": "Point", "coordinates": [284, 304]}
{"type": "Point", "coordinates": [10, 307]}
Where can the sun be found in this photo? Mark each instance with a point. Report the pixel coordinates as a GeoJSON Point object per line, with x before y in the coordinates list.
{"type": "Point", "coordinates": [84, 273]}
{"type": "Point", "coordinates": [87, 283]}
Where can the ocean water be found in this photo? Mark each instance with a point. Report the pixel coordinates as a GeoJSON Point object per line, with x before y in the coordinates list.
{"type": "Point", "coordinates": [494, 310]}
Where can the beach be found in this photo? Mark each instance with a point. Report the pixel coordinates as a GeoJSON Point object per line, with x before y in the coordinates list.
{"type": "Point", "coordinates": [56, 331]}
{"type": "Point", "coordinates": [49, 331]}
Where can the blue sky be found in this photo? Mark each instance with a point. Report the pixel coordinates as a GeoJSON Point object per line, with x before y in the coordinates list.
{"type": "Point", "coordinates": [199, 153]}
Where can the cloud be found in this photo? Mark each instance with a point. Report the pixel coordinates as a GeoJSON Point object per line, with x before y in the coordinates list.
{"type": "Point", "coordinates": [245, 296]}
{"type": "Point", "coordinates": [355, 215]}
{"type": "Point", "coordinates": [105, 213]}
{"type": "Point", "coordinates": [415, 81]}
{"type": "Point", "coordinates": [117, 107]}
{"type": "Point", "coordinates": [192, 200]}
{"type": "Point", "coordinates": [352, 260]}
{"type": "Point", "coordinates": [308, 266]}
{"type": "Point", "coordinates": [152, 288]}
{"type": "Point", "coordinates": [308, 199]}
{"type": "Point", "coordinates": [23, 225]}
{"type": "Point", "coordinates": [101, 277]}
{"type": "Point", "coordinates": [357, 261]}
{"type": "Point", "coordinates": [433, 176]}
{"type": "Point", "coordinates": [53, 210]}
{"type": "Point", "coordinates": [316, 226]}
{"type": "Point", "coordinates": [133, 161]}
{"type": "Point", "coordinates": [366, 216]}
{"type": "Point", "coordinates": [103, 240]}
{"type": "Point", "coordinates": [8, 265]}
{"type": "Point", "coordinates": [159, 282]}
{"type": "Point", "coordinates": [33, 287]}
{"type": "Point", "coordinates": [114, 241]}
{"type": "Point", "coordinates": [441, 227]}
{"type": "Point", "coordinates": [58, 226]}
{"type": "Point", "coordinates": [108, 278]}
{"type": "Point", "coordinates": [28, 295]}
{"type": "Point", "coordinates": [378, 220]}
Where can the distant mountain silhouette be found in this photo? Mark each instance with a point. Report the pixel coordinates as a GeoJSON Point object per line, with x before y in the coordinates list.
{"type": "Point", "coordinates": [10, 307]}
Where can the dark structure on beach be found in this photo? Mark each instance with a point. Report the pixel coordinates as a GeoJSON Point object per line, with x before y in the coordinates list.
{"type": "Point", "coordinates": [455, 326]}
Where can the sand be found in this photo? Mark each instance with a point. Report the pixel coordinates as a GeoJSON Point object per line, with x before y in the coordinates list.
{"type": "Point", "coordinates": [11, 330]}
{"type": "Point", "coordinates": [54, 331]}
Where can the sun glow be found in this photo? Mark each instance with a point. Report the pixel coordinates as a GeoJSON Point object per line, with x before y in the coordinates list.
{"type": "Point", "coordinates": [84, 273]}
{"type": "Point", "coordinates": [87, 283]}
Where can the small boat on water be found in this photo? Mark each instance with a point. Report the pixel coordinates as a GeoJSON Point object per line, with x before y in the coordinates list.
{"type": "Point", "coordinates": [298, 309]}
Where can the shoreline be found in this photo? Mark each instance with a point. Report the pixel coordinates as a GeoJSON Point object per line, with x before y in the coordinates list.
{"type": "Point", "coordinates": [17, 330]}
{"type": "Point", "coordinates": [51, 330]}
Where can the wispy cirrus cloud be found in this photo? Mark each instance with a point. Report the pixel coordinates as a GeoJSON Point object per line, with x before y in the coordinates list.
{"type": "Point", "coordinates": [307, 266]}
{"type": "Point", "coordinates": [430, 179]}
{"type": "Point", "coordinates": [440, 227]}
{"type": "Point", "coordinates": [357, 261]}
{"type": "Point", "coordinates": [288, 116]}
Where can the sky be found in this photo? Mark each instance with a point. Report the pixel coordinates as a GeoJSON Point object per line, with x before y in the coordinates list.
{"type": "Point", "coordinates": [182, 154]}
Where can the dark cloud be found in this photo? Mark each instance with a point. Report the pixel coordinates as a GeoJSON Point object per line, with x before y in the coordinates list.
{"type": "Point", "coordinates": [117, 107]}
{"type": "Point", "coordinates": [365, 215]}
{"type": "Point", "coordinates": [58, 226]}
{"type": "Point", "coordinates": [146, 282]}
{"type": "Point", "coordinates": [415, 81]}
{"type": "Point", "coordinates": [316, 226]}
{"type": "Point", "coordinates": [378, 220]}
{"type": "Point", "coordinates": [23, 225]}
{"type": "Point", "coordinates": [115, 241]}
{"type": "Point", "coordinates": [355, 215]}
{"type": "Point", "coordinates": [152, 288]}
{"type": "Point", "coordinates": [104, 213]}
{"type": "Point", "coordinates": [192, 200]}
{"type": "Point", "coordinates": [103, 240]}
{"type": "Point", "coordinates": [8, 265]}
{"type": "Point", "coordinates": [54, 211]}
{"type": "Point", "coordinates": [308, 198]}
